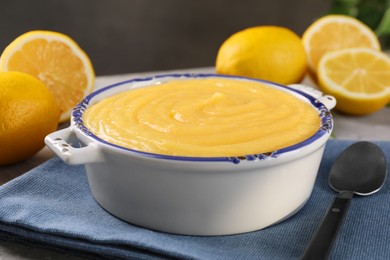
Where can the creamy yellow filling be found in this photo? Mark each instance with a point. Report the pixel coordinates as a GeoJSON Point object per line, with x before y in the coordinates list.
{"type": "Point", "coordinates": [203, 117]}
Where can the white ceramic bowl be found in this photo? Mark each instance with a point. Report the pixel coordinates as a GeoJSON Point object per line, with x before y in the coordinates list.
{"type": "Point", "coordinates": [196, 196]}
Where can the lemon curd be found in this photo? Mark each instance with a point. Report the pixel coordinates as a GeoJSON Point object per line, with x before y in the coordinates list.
{"type": "Point", "coordinates": [203, 118]}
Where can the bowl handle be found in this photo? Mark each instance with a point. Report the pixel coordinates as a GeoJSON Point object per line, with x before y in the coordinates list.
{"type": "Point", "coordinates": [327, 100]}
{"type": "Point", "coordinates": [64, 144]}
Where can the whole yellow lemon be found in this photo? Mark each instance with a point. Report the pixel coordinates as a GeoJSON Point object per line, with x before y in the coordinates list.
{"type": "Point", "coordinates": [266, 52]}
{"type": "Point", "coordinates": [28, 112]}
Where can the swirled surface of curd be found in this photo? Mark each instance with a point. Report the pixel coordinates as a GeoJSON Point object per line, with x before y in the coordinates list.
{"type": "Point", "coordinates": [203, 118]}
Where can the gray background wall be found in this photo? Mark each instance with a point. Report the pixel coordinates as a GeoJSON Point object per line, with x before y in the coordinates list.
{"type": "Point", "coordinates": [123, 36]}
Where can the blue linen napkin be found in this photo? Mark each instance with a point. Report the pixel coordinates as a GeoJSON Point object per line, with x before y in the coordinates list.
{"type": "Point", "coordinates": [51, 206]}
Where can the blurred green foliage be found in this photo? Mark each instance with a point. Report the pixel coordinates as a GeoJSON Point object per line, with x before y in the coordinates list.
{"type": "Point", "coordinates": [374, 13]}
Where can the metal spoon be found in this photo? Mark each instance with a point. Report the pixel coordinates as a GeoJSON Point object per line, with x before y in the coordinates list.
{"type": "Point", "coordinates": [360, 169]}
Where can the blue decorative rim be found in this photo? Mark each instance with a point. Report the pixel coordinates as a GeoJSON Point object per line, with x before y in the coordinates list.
{"type": "Point", "coordinates": [325, 116]}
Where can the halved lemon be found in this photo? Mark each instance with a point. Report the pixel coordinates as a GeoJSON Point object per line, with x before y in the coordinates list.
{"type": "Point", "coordinates": [334, 32]}
{"type": "Point", "coordinates": [56, 60]}
{"type": "Point", "coordinates": [359, 78]}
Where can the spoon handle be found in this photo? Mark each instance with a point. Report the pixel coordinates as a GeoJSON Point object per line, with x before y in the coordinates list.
{"type": "Point", "coordinates": [321, 244]}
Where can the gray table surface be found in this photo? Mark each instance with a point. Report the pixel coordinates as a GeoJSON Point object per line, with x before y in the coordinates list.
{"type": "Point", "coordinates": [374, 127]}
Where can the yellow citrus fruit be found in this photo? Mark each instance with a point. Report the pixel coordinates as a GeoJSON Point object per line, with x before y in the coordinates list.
{"type": "Point", "coordinates": [359, 79]}
{"type": "Point", "coordinates": [57, 61]}
{"type": "Point", "coordinates": [28, 112]}
{"type": "Point", "coordinates": [334, 32]}
{"type": "Point", "coordinates": [267, 52]}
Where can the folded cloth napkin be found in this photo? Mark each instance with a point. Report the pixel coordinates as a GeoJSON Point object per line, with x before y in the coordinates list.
{"type": "Point", "coordinates": [51, 206]}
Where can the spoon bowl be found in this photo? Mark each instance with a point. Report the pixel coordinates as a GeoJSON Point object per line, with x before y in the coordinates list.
{"type": "Point", "coordinates": [361, 168]}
